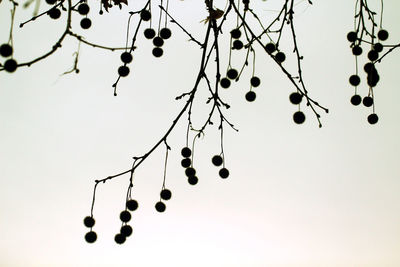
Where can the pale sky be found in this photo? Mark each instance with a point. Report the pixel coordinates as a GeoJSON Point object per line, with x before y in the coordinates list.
{"type": "Point", "coordinates": [297, 195]}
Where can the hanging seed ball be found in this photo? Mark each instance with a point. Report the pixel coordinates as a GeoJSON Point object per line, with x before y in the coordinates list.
{"type": "Point", "coordinates": [355, 100]}
{"type": "Point", "coordinates": [190, 172]}
{"type": "Point", "coordinates": [91, 237]}
{"type": "Point", "coordinates": [280, 57]}
{"type": "Point", "coordinates": [270, 48]}
{"type": "Point", "coordinates": [165, 194]}
{"type": "Point", "coordinates": [126, 230]}
{"type": "Point", "coordinates": [132, 204]}
{"type": "Point", "coordinates": [145, 15]}
{"type": "Point", "coordinates": [10, 65]}
{"type": "Point", "coordinates": [120, 239]}
{"type": "Point", "coordinates": [378, 47]}
{"type": "Point", "coordinates": [158, 41]}
{"type": "Point", "coordinates": [123, 71]}
{"type": "Point", "coordinates": [225, 83]}
{"type": "Point", "coordinates": [165, 33]}
{"type": "Point", "coordinates": [368, 101]}
{"type": "Point", "coordinates": [352, 36]}
{"type": "Point", "coordinates": [232, 74]}
{"type": "Point", "coordinates": [160, 207]}
{"type": "Point", "coordinates": [295, 98]}
{"type": "Point", "coordinates": [193, 180]}
{"type": "Point", "coordinates": [157, 51]}
{"type": "Point", "coordinates": [125, 216]}
{"type": "Point", "coordinates": [372, 118]}
{"type": "Point", "coordinates": [88, 221]}
{"type": "Point", "coordinates": [149, 33]}
{"type": "Point", "coordinates": [373, 55]}
{"type": "Point", "coordinates": [250, 96]}
{"type": "Point", "coordinates": [186, 162]}
{"type": "Point", "coordinates": [255, 81]}
{"type": "Point", "coordinates": [126, 57]}
{"type": "Point", "coordinates": [224, 173]}
{"type": "Point", "coordinates": [54, 13]}
{"type": "Point", "coordinates": [83, 9]}
{"type": "Point", "coordinates": [354, 80]}
{"type": "Point", "coordinates": [383, 35]}
{"type": "Point", "coordinates": [236, 33]}
{"type": "Point", "coordinates": [6, 50]}
{"type": "Point", "coordinates": [86, 23]}
{"type": "Point", "coordinates": [237, 44]}
{"type": "Point", "coordinates": [369, 67]}
{"type": "Point", "coordinates": [217, 160]}
{"type": "Point", "coordinates": [186, 152]}
{"type": "Point", "coordinates": [357, 50]}
{"type": "Point", "coordinates": [299, 117]}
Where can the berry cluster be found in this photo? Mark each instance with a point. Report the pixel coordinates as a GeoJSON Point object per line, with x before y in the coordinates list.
{"type": "Point", "coordinates": [218, 161]}
{"type": "Point", "coordinates": [54, 12]}
{"type": "Point", "coordinates": [296, 98]}
{"type": "Point", "coordinates": [83, 9]}
{"type": "Point", "coordinates": [126, 58]}
{"type": "Point", "coordinates": [271, 49]}
{"type": "Point", "coordinates": [187, 164]}
{"type": "Point", "coordinates": [10, 65]}
{"type": "Point", "coordinates": [165, 194]}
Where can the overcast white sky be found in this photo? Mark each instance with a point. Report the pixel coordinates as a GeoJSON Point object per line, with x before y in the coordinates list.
{"type": "Point", "coordinates": [296, 195]}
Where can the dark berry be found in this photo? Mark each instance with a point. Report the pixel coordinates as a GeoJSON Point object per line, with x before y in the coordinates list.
{"type": "Point", "coordinates": [186, 162]}
{"type": "Point", "coordinates": [378, 47]}
{"type": "Point", "coordinates": [354, 80]}
{"type": "Point", "coordinates": [126, 230]}
{"type": "Point", "coordinates": [255, 81]}
{"type": "Point", "coordinates": [149, 33]}
{"type": "Point", "coordinates": [125, 216]}
{"type": "Point", "coordinates": [225, 82]}
{"type": "Point", "coordinates": [83, 9]}
{"type": "Point", "coordinates": [126, 57]}
{"type": "Point", "coordinates": [250, 96]}
{"type": "Point", "coordinates": [232, 74]}
{"type": "Point", "coordinates": [165, 33]}
{"type": "Point", "coordinates": [280, 57]}
{"type": "Point", "coordinates": [186, 152]}
{"type": "Point", "coordinates": [86, 23]}
{"type": "Point", "coordinates": [383, 35]}
{"type": "Point", "coordinates": [123, 71]}
{"type": "Point", "coordinates": [145, 15]}
{"type": "Point", "coordinates": [352, 36]}
{"type": "Point", "coordinates": [132, 204]}
{"type": "Point", "coordinates": [165, 194]}
{"type": "Point", "coordinates": [299, 117]}
{"type": "Point", "coordinates": [193, 180]}
{"type": "Point", "coordinates": [6, 50]}
{"type": "Point", "coordinates": [54, 13]}
{"type": "Point", "coordinates": [237, 44]}
{"type": "Point", "coordinates": [224, 173]}
{"type": "Point", "coordinates": [295, 98]}
{"type": "Point", "coordinates": [10, 65]}
{"type": "Point", "coordinates": [368, 101]}
{"type": "Point", "coordinates": [190, 172]}
{"type": "Point", "coordinates": [355, 100]}
{"type": "Point", "coordinates": [88, 221]}
{"type": "Point", "coordinates": [270, 48]}
{"type": "Point", "coordinates": [372, 118]}
{"type": "Point", "coordinates": [160, 207]}
{"type": "Point", "coordinates": [217, 160]}
{"type": "Point", "coordinates": [157, 51]}
{"type": "Point", "coordinates": [357, 50]}
{"type": "Point", "coordinates": [369, 67]}
{"type": "Point", "coordinates": [373, 55]}
{"type": "Point", "coordinates": [158, 41]}
{"type": "Point", "coordinates": [236, 33]}
{"type": "Point", "coordinates": [51, 2]}
{"type": "Point", "coordinates": [91, 237]}
{"type": "Point", "coordinates": [120, 238]}
{"type": "Point", "coordinates": [373, 78]}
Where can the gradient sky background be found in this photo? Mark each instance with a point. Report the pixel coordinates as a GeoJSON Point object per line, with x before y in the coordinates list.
{"type": "Point", "coordinates": [296, 196]}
